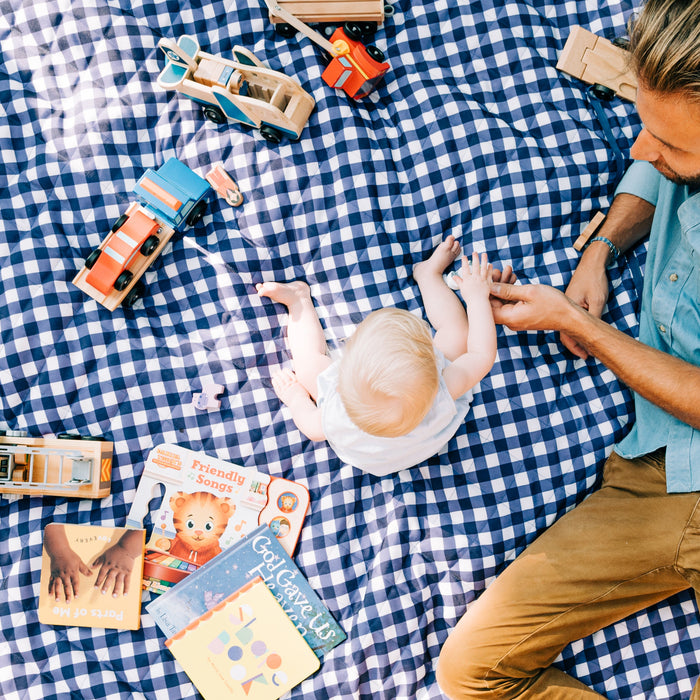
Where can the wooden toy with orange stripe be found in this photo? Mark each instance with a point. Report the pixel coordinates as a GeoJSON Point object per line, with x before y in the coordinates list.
{"type": "Point", "coordinates": [169, 199]}
{"type": "Point", "coordinates": [68, 465]}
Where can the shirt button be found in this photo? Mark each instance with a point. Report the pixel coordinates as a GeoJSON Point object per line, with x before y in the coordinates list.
{"type": "Point", "coordinates": [662, 328]}
{"type": "Point", "coordinates": [673, 277]}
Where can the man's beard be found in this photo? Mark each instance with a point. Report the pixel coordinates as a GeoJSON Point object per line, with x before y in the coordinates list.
{"type": "Point", "coordinates": [692, 181]}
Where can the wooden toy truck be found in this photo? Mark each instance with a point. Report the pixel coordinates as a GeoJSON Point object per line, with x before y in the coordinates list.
{"type": "Point", "coordinates": [354, 68]}
{"type": "Point", "coordinates": [75, 467]}
{"type": "Point", "coordinates": [244, 90]}
{"type": "Point", "coordinates": [169, 199]}
{"type": "Point", "coordinates": [598, 62]}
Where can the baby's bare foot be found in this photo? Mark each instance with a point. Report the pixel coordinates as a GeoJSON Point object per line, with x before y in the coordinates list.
{"type": "Point", "coordinates": [287, 293]}
{"type": "Point", "coordinates": [287, 387]}
{"type": "Point", "coordinates": [443, 256]}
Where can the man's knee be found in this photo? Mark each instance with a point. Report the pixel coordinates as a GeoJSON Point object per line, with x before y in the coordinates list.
{"type": "Point", "coordinates": [465, 664]}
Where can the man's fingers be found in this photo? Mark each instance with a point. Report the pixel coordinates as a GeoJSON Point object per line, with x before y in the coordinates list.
{"type": "Point", "coordinates": [573, 347]}
{"type": "Point", "coordinates": [509, 292]}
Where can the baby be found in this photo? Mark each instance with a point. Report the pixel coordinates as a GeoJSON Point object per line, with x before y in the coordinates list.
{"type": "Point", "coordinates": [397, 394]}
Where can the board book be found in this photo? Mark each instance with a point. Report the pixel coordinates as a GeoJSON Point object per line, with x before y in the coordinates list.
{"type": "Point", "coordinates": [91, 576]}
{"type": "Point", "coordinates": [207, 505]}
{"type": "Point", "coordinates": [244, 647]}
{"type": "Point", "coordinates": [259, 554]}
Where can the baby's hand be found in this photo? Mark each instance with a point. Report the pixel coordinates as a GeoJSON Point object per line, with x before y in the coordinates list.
{"type": "Point", "coordinates": [476, 278]}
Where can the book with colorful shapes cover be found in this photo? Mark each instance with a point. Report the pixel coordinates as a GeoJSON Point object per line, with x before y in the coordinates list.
{"type": "Point", "coordinates": [91, 576]}
{"type": "Point", "coordinates": [257, 554]}
{"type": "Point", "coordinates": [244, 647]}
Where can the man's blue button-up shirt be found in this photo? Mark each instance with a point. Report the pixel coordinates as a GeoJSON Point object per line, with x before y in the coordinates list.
{"type": "Point", "coordinates": [670, 317]}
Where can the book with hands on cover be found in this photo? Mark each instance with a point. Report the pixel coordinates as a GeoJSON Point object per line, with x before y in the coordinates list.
{"type": "Point", "coordinates": [91, 576]}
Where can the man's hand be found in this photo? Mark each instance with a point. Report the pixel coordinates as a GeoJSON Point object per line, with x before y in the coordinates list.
{"type": "Point", "coordinates": [589, 289]}
{"type": "Point", "coordinates": [530, 307]}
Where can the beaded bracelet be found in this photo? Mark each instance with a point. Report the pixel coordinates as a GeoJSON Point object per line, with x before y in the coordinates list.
{"type": "Point", "coordinates": [613, 248]}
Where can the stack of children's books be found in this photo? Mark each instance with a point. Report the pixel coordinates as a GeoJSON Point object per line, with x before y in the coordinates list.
{"type": "Point", "coordinates": [246, 624]}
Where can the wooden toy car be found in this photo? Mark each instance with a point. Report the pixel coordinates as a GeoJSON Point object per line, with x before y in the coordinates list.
{"type": "Point", "coordinates": [244, 90]}
{"type": "Point", "coordinates": [354, 68]}
{"type": "Point", "coordinates": [224, 185]}
{"type": "Point", "coordinates": [170, 199]}
{"type": "Point", "coordinates": [598, 62]}
{"type": "Point", "coordinates": [71, 466]}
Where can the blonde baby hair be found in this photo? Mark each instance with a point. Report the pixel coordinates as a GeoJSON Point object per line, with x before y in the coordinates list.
{"type": "Point", "coordinates": [388, 373]}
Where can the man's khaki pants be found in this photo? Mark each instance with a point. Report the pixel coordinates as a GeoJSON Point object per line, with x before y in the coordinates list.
{"type": "Point", "coordinates": [627, 546]}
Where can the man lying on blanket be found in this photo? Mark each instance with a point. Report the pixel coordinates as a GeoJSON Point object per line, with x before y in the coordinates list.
{"type": "Point", "coordinates": [636, 540]}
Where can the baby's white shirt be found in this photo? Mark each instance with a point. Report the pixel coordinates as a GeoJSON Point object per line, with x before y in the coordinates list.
{"type": "Point", "coordinates": [385, 455]}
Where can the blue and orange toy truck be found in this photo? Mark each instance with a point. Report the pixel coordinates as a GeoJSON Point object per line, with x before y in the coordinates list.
{"type": "Point", "coordinates": [169, 199]}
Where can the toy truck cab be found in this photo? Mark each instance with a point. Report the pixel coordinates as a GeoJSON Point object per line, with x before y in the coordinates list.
{"type": "Point", "coordinates": [175, 194]}
{"type": "Point", "coordinates": [244, 90]}
{"type": "Point", "coordinates": [357, 70]}
{"type": "Point", "coordinates": [169, 199]}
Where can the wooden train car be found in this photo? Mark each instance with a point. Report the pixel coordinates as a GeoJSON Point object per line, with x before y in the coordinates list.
{"type": "Point", "coordinates": [73, 466]}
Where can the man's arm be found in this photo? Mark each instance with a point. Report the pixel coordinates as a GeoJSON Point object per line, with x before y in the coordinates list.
{"type": "Point", "coordinates": [627, 222]}
{"type": "Point", "coordinates": [664, 380]}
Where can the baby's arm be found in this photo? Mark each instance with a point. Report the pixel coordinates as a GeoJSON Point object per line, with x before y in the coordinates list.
{"type": "Point", "coordinates": [305, 413]}
{"type": "Point", "coordinates": [471, 367]}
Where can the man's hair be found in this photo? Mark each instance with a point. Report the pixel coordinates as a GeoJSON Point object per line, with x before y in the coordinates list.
{"type": "Point", "coordinates": [388, 373]}
{"type": "Point", "coordinates": [665, 47]}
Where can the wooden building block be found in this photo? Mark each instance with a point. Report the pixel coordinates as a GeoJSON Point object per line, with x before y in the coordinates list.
{"type": "Point", "coordinates": [588, 232]}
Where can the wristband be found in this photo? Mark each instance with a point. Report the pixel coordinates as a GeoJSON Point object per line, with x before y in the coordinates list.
{"type": "Point", "coordinates": [614, 250]}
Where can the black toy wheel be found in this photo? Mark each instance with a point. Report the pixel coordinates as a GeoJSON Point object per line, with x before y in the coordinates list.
{"type": "Point", "coordinates": [197, 213]}
{"type": "Point", "coordinates": [369, 29]}
{"type": "Point", "coordinates": [388, 10]}
{"type": "Point", "coordinates": [69, 436]}
{"type": "Point", "coordinates": [123, 281]}
{"type": "Point", "coordinates": [215, 115]}
{"type": "Point", "coordinates": [603, 92]}
{"type": "Point", "coordinates": [92, 258]}
{"type": "Point", "coordinates": [375, 54]}
{"type": "Point", "coordinates": [285, 30]}
{"type": "Point", "coordinates": [135, 293]}
{"type": "Point", "coordinates": [149, 245]}
{"type": "Point", "coordinates": [270, 134]}
{"type": "Point", "coordinates": [353, 31]}
{"type": "Point", "coordinates": [119, 222]}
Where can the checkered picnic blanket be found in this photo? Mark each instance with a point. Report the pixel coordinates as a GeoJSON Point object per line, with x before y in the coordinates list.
{"type": "Point", "coordinates": [473, 132]}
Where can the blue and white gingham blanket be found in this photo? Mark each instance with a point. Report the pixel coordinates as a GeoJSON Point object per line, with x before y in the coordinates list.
{"type": "Point", "coordinates": [474, 132]}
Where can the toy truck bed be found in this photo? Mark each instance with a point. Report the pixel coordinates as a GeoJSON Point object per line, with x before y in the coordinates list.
{"type": "Point", "coordinates": [77, 468]}
{"type": "Point", "coordinates": [334, 12]}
